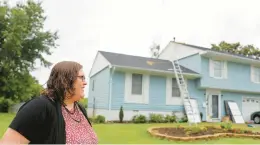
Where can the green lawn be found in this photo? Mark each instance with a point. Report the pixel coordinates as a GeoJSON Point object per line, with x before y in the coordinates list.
{"type": "Point", "coordinates": [137, 133]}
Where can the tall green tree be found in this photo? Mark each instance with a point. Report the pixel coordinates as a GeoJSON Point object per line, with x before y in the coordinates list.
{"type": "Point", "coordinates": [237, 48]}
{"type": "Point", "coordinates": [23, 41]}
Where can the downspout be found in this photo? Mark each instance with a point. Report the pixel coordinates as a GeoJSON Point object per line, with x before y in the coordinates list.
{"type": "Point", "coordinates": [110, 88]}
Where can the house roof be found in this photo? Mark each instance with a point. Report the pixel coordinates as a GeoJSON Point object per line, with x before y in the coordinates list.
{"type": "Point", "coordinates": [229, 53]}
{"type": "Point", "coordinates": [141, 62]}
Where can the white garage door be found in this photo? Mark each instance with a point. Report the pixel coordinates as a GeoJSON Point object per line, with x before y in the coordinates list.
{"type": "Point", "coordinates": [250, 105]}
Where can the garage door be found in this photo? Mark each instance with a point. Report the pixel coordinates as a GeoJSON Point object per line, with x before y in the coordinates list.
{"type": "Point", "coordinates": [250, 105]}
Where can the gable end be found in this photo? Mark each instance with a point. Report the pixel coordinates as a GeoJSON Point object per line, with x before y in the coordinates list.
{"type": "Point", "coordinates": [99, 63]}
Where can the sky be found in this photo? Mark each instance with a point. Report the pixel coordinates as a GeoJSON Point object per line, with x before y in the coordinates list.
{"type": "Point", "coordinates": [130, 26]}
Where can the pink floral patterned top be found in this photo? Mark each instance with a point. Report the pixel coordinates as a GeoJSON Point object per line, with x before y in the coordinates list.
{"type": "Point", "coordinates": [78, 130]}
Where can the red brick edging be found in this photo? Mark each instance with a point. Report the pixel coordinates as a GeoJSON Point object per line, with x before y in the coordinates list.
{"type": "Point", "coordinates": [204, 137]}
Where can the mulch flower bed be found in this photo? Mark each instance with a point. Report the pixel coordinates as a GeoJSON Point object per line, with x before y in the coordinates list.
{"type": "Point", "coordinates": [195, 133]}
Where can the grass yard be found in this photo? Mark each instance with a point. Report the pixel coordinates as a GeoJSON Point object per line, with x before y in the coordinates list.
{"type": "Point", "coordinates": [137, 133]}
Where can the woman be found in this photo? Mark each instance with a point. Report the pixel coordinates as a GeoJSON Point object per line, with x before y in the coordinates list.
{"type": "Point", "coordinates": [55, 117]}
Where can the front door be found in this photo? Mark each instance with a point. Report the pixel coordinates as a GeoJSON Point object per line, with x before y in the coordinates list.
{"type": "Point", "coordinates": [213, 110]}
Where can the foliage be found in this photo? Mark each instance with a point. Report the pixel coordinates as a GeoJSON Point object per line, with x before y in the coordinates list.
{"type": "Point", "coordinates": [184, 119]}
{"type": "Point", "coordinates": [156, 118]}
{"type": "Point", "coordinates": [22, 42]}
{"type": "Point", "coordinates": [84, 102]}
{"type": "Point", "coordinates": [201, 116]}
{"type": "Point", "coordinates": [226, 125]}
{"type": "Point", "coordinates": [170, 118]}
{"type": "Point", "coordinates": [99, 119]}
{"type": "Point", "coordinates": [194, 130]}
{"type": "Point", "coordinates": [121, 114]}
{"type": "Point", "coordinates": [139, 119]}
{"type": "Point", "coordinates": [237, 48]}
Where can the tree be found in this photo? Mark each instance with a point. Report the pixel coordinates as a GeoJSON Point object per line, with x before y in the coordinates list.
{"type": "Point", "coordinates": [23, 41]}
{"type": "Point", "coordinates": [237, 48]}
{"type": "Point", "coordinates": [121, 114]}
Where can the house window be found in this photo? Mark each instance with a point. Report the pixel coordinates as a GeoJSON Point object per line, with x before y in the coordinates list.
{"type": "Point", "coordinates": [175, 88]}
{"type": "Point", "coordinates": [256, 74]}
{"type": "Point", "coordinates": [218, 67]}
{"type": "Point", "coordinates": [137, 84]}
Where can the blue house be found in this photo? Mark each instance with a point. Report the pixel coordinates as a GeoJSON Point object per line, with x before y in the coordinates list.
{"type": "Point", "coordinates": [144, 85]}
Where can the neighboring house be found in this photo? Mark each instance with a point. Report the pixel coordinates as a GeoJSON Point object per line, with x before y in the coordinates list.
{"type": "Point", "coordinates": [145, 85]}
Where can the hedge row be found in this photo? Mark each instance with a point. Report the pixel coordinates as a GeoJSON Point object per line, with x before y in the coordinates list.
{"type": "Point", "coordinates": [153, 118]}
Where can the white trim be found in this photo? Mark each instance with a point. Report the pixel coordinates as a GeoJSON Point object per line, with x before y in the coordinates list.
{"type": "Point", "coordinates": [154, 70]}
{"type": "Point", "coordinates": [252, 71]}
{"type": "Point", "coordinates": [170, 100]}
{"type": "Point", "coordinates": [230, 57]}
{"type": "Point", "coordinates": [209, 93]}
{"type": "Point", "coordinates": [129, 97]}
{"type": "Point", "coordinates": [224, 72]}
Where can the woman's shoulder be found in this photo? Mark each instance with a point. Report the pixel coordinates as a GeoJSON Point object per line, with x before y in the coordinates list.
{"type": "Point", "coordinates": [36, 115]}
{"type": "Point", "coordinates": [38, 104]}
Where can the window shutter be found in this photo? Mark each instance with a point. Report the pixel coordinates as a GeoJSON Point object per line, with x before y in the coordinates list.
{"type": "Point", "coordinates": [128, 86]}
{"type": "Point", "coordinates": [146, 88]}
{"type": "Point", "coordinates": [168, 90]}
{"type": "Point", "coordinates": [211, 68]}
{"type": "Point", "coordinates": [225, 70]}
{"type": "Point", "coordinates": [252, 74]}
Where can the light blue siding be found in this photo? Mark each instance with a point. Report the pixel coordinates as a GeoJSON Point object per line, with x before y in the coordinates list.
{"type": "Point", "coordinates": [198, 94]}
{"type": "Point", "coordinates": [157, 95]}
{"type": "Point", "coordinates": [101, 90]}
{"type": "Point", "coordinates": [238, 78]}
{"type": "Point", "coordinates": [192, 62]}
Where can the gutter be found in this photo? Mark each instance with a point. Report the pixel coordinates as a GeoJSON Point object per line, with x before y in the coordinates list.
{"type": "Point", "coordinates": [230, 56]}
{"type": "Point", "coordinates": [153, 70]}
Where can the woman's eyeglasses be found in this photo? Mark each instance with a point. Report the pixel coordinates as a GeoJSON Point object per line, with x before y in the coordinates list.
{"type": "Point", "coordinates": [82, 78]}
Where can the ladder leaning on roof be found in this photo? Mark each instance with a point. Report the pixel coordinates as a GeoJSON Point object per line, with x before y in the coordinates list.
{"type": "Point", "coordinates": [189, 109]}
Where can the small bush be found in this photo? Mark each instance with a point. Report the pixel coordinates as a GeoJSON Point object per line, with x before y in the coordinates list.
{"type": "Point", "coordinates": [170, 118]}
{"type": "Point", "coordinates": [156, 118]}
{"type": "Point", "coordinates": [121, 114]}
{"type": "Point", "coordinates": [139, 119]}
{"type": "Point", "coordinates": [99, 119]}
{"type": "Point", "coordinates": [226, 125]}
{"type": "Point", "coordinates": [195, 129]}
{"type": "Point", "coordinates": [184, 119]}
{"type": "Point", "coordinates": [90, 119]}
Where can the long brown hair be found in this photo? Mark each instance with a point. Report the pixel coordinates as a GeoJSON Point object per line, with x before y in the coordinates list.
{"type": "Point", "coordinates": [61, 80]}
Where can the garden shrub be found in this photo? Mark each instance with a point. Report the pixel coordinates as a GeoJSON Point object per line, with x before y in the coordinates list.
{"type": "Point", "coordinates": [184, 119]}
{"type": "Point", "coordinates": [99, 119]}
{"type": "Point", "coordinates": [156, 118]}
{"type": "Point", "coordinates": [121, 114]}
{"type": "Point", "coordinates": [170, 118]}
{"type": "Point", "coordinates": [226, 125]}
{"type": "Point", "coordinates": [90, 119]}
{"type": "Point", "coordinates": [139, 119]}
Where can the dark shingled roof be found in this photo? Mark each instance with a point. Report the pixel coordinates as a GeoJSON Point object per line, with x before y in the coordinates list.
{"type": "Point", "coordinates": [141, 62]}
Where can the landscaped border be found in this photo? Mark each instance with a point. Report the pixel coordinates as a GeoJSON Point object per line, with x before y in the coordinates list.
{"type": "Point", "coordinates": [191, 138]}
